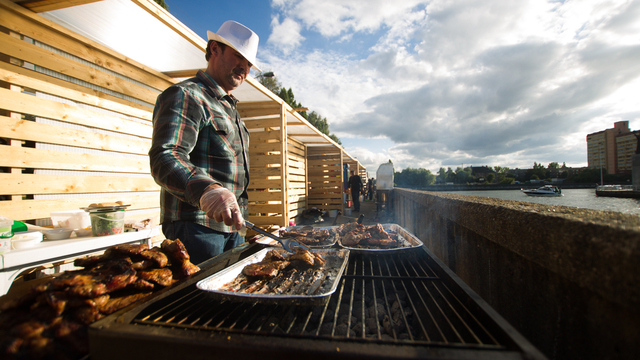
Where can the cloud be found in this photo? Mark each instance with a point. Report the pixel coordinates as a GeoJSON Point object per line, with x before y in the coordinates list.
{"type": "Point", "coordinates": [450, 82]}
{"type": "Point", "coordinates": [285, 35]}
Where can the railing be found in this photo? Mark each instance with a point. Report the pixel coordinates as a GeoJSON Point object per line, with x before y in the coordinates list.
{"type": "Point", "coordinates": [567, 278]}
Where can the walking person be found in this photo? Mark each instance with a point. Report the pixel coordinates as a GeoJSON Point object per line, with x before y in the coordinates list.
{"type": "Point", "coordinates": [355, 184]}
{"type": "Point", "coordinates": [199, 149]}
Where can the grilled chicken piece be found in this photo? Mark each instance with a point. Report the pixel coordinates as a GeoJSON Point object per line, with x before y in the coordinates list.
{"type": "Point", "coordinates": [268, 269]}
{"type": "Point", "coordinates": [303, 255]}
{"type": "Point", "coordinates": [156, 256]}
{"type": "Point", "coordinates": [175, 250]}
{"type": "Point", "coordinates": [116, 303]}
{"type": "Point", "coordinates": [162, 277]}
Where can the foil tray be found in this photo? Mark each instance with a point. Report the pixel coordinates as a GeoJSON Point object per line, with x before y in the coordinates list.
{"type": "Point", "coordinates": [336, 262]}
{"type": "Point", "coordinates": [409, 241]}
{"type": "Point", "coordinates": [267, 241]}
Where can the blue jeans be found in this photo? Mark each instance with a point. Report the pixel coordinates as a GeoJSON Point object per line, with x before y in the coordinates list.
{"type": "Point", "coordinates": [201, 242]}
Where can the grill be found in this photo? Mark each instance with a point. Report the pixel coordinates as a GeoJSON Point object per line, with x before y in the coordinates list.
{"type": "Point", "coordinates": [402, 305]}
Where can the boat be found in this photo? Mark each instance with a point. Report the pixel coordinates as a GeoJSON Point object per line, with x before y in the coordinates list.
{"type": "Point", "coordinates": [547, 190]}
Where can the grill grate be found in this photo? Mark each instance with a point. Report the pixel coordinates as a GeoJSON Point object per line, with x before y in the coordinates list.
{"type": "Point", "coordinates": [391, 298]}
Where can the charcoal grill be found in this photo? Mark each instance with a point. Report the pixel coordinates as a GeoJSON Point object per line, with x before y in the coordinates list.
{"type": "Point", "coordinates": [405, 305]}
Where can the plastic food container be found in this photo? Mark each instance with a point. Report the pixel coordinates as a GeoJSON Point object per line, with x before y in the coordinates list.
{"type": "Point", "coordinates": [107, 222]}
{"type": "Point", "coordinates": [57, 234]}
{"type": "Point", "coordinates": [26, 239]}
{"type": "Point", "coordinates": [83, 232]}
{"type": "Point", "coordinates": [5, 228]}
{"type": "Point", "coordinates": [71, 219]}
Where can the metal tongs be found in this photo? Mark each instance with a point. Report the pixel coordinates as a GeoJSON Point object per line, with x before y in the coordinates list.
{"type": "Point", "coordinates": [285, 242]}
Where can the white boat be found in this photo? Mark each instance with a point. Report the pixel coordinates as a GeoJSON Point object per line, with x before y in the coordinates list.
{"type": "Point", "coordinates": [547, 190]}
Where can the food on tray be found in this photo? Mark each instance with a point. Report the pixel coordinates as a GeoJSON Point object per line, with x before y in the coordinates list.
{"type": "Point", "coordinates": [51, 321]}
{"type": "Point", "coordinates": [301, 273]}
{"type": "Point", "coordinates": [106, 204]}
{"type": "Point", "coordinates": [310, 236]}
{"type": "Point", "coordinates": [371, 237]}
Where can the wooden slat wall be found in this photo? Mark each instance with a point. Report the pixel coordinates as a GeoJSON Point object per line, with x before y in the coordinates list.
{"type": "Point", "coordinates": [69, 140]}
{"type": "Point", "coordinates": [297, 178]}
{"type": "Point", "coordinates": [325, 178]}
{"type": "Point", "coordinates": [267, 129]}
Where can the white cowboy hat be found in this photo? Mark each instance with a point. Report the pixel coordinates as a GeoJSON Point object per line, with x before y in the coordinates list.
{"type": "Point", "coordinates": [240, 38]}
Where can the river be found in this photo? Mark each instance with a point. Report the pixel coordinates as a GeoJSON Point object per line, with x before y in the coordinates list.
{"type": "Point", "coordinates": [580, 198]}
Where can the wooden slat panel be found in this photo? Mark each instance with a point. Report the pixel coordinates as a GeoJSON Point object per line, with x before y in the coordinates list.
{"type": "Point", "coordinates": [50, 85]}
{"type": "Point", "coordinates": [264, 172]}
{"type": "Point", "coordinates": [50, 5]}
{"type": "Point", "coordinates": [265, 208]}
{"type": "Point", "coordinates": [263, 147]}
{"type": "Point", "coordinates": [264, 221]}
{"type": "Point", "coordinates": [15, 184]}
{"type": "Point", "coordinates": [264, 160]}
{"type": "Point", "coordinates": [50, 109]}
{"type": "Point", "coordinates": [47, 59]}
{"type": "Point", "coordinates": [27, 23]}
{"type": "Point", "coordinates": [22, 157]}
{"type": "Point", "coordinates": [29, 130]}
{"type": "Point", "coordinates": [264, 136]}
{"type": "Point", "coordinates": [263, 184]}
{"type": "Point", "coordinates": [266, 196]}
{"type": "Point", "coordinates": [263, 123]}
{"type": "Point", "coordinates": [38, 209]}
{"type": "Point", "coordinates": [258, 112]}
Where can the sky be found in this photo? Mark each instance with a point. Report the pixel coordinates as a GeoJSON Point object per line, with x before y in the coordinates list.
{"type": "Point", "coordinates": [448, 83]}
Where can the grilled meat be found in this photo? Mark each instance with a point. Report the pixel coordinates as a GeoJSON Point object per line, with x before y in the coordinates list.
{"type": "Point", "coordinates": [303, 255]}
{"type": "Point", "coordinates": [179, 258]}
{"type": "Point", "coordinates": [268, 269]}
{"type": "Point", "coordinates": [51, 320]}
{"type": "Point", "coordinates": [162, 277]}
{"type": "Point", "coordinates": [357, 235]}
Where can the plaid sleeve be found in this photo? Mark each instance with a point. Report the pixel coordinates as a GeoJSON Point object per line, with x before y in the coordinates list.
{"type": "Point", "coordinates": [177, 120]}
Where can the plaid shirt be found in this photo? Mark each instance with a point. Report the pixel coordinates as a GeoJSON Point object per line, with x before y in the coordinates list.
{"type": "Point", "coordinates": [198, 140]}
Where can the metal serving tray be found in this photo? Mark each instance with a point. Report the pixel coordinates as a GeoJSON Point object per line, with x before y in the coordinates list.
{"type": "Point", "coordinates": [336, 261]}
{"type": "Point", "coordinates": [266, 241]}
{"type": "Point", "coordinates": [408, 240]}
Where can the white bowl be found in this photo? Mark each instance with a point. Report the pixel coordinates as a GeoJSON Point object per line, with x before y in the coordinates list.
{"type": "Point", "coordinates": [83, 232]}
{"type": "Point", "coordinates": [26, 239]}
{"type": "Point", "coordinates": [57, 234]}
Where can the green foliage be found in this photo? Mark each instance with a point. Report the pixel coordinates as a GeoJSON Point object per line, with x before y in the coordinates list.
{"type": "Point", "coordinates": [270, 82]}
{"type": "Point", "coordinates": [162, 3]}
{"type": "Point", "coordinates": [490, 178]}
{"type": "Point", "coordinates": [414, 178]}
{"type": "Point", "coordinates": [507, 181]}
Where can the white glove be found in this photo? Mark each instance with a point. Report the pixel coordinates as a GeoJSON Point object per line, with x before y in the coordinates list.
{"type": "Point", "coordinates": [220, 204]}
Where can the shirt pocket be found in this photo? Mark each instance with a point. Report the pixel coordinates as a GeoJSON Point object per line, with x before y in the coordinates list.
{"type": "Point", "coordinates": [221, 138]}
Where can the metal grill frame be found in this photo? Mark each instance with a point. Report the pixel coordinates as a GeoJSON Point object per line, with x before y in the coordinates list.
{"type": "Point", "coordinates": [479, 332]}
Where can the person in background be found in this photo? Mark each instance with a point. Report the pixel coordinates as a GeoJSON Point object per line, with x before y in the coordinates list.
{"type": "Point", "coordinates": [355, 184]}
{"type": "Point", "coordinates": [370, 189]}
{"type": "Point", "coordinates": [199, 147]}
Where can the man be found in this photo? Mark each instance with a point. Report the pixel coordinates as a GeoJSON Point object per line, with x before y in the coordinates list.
{"type": "Point", "coordinates": [199, 148]}
{"type": "Point", "coordinates": [355, 184]}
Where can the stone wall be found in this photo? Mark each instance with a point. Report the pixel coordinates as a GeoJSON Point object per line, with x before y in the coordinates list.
{"type": "Point", "coordinates": [567, 278]}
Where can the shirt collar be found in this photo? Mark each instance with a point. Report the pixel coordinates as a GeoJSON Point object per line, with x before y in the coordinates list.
{"type": "Point", "coordinates": [218, 91]}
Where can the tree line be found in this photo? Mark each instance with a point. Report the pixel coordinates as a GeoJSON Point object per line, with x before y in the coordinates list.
{"type": "Point", "coordinates": [315, 119]}
{"type": "Point", "coordinates": [420, 177]}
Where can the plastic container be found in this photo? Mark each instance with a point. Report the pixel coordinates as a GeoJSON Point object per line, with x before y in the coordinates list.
{"type": "Point", "coordinates": [26, 239]}
{"type": "Point", "coordinates": [57, 234]}
{"type": "Point", "coordinates": [5, 228]}
{"type": "Point", "coordinates": [71, 219]}
{"type": "Point", "coordinates": [107, 223]}
{"type": "Point", "coordinates": [384, 176]}
{"type": "Point", "coordinates": [84, 232]}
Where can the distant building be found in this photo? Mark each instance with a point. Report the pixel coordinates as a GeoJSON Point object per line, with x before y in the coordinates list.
{"type": "Point", "coordinates": [612, 149]}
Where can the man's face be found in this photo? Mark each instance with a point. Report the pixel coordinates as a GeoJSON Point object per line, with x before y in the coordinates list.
{"type": "Point", "coordinates": [227, 67]}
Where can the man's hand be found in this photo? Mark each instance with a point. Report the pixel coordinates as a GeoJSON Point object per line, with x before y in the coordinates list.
{"type": "Point", "coordinates": [220, 204]}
